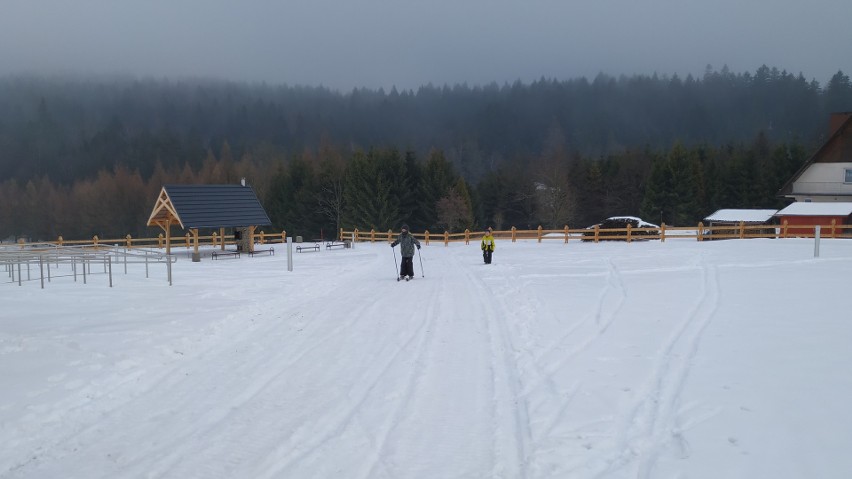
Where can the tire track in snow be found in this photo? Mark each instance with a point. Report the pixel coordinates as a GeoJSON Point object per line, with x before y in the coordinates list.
{"type": "Point", "coordinates": [650, 424]}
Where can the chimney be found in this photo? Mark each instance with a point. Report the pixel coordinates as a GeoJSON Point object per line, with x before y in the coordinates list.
{"type": "Point", "coordinates": [837, 120]}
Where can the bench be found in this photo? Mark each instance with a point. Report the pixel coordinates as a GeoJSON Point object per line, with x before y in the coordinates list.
{"type": "Point", "coordinates": [332, 244]}
{"type": "Point", "coordinates": [226, 254]}
{"type": "Point", "coordinates": [315, 247]}
{"type": "Point", "coordinates": [270, 252]}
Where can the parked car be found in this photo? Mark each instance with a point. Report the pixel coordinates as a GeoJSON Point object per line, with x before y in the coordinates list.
{"type": "Point", "coordinates": [613, 222]}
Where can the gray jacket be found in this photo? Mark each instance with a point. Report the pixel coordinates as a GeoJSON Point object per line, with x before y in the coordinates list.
{"type": "Point", "coordinates": [407, 242]}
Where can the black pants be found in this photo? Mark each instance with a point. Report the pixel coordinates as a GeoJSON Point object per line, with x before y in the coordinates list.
{"type": "Point", "coordinates": [486, 255]}
{"type": "Point", "coordinates": [407, 267]}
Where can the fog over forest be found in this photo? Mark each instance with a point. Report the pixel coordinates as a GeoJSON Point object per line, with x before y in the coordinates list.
{"type": "Point", "coordinates": [469, 113]}
{"type": "Point", "coordinates": [84, 156]}
{"type": "Point", "coordinates": [379, 43]}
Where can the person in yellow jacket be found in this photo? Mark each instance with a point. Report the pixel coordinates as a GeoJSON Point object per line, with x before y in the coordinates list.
{"type": "Point", "coordinates": [487, 246]}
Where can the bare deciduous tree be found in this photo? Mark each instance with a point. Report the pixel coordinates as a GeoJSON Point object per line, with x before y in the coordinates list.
{"type": "Point", "coordinates": [454, 211]}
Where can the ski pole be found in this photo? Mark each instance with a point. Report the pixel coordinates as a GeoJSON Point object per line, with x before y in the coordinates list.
{"type": "Point", "coordinates": [422, 274]}
{"type": "Point", "coordinates": [396, 269]}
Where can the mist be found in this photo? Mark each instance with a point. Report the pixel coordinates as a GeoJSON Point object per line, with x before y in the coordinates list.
{"type": "Point", "coordinates": [383, 43]}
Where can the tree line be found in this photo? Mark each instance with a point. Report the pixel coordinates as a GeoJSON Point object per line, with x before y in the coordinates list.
{"type": "Point", "coordinates": [88, 156]}
{"type": "Point", "coordinates": [70, 129]}
{"type": "Point", "coordinates": [321, 190]}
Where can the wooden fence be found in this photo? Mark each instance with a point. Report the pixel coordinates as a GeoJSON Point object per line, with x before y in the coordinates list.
{"type": "Point", "coordinates": [160, 241]}
{"type": "Point", "coordinates": [566, 234]}
{"type": "Point", "coordinates": [628, 234]}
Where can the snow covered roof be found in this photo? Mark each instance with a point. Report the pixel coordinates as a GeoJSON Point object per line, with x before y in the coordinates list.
{"type": "Point", "coordinates": [737, 215]}
{"type": "Point", "coordinates": [642, 223]}
{"type": "Point", "coordinates": [826, 208]}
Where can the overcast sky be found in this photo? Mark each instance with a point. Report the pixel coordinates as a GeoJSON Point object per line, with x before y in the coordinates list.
{"type": "Point", "coordinates": [382, 43]}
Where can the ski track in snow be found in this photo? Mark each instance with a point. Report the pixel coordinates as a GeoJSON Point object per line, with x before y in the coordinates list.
{"type": "Point", "coordinates": [568, 346]}
{"type": "Point", "coordinates": [650, 424]}
{"type": "Point", "coordinates": [167, 388]}
{"type": "Point", "coordinates": [471, 371]}
{"type": "Point", "coordinates": [509, 404]}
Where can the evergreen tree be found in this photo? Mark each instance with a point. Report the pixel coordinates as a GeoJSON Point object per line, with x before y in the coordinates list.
{"type": "Point", "coordinates": [291, 201]}
{"type": "Point", "coordinates": [838, 93]}
{"type": "Point", "coordinates": [375, 187]}
{"type": "Point", "coordinates": [438, 178]}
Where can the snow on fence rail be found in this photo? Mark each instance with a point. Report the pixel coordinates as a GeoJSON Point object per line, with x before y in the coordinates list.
{"type": "Point", "coordinates": [160, 241]}
{"type": "Point", "coordinates": [596, 234]}
{"type": "Point", "coordinates": [628, 234]}
{"type": "Point", "coordinates": [45, 261]}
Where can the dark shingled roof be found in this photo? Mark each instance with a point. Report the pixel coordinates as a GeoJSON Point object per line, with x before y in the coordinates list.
{"type": "Point", "coordinates": [216, 206]}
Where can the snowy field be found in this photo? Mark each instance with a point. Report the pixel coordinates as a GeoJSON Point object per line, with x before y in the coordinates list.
{"type": "Point", "coordinates": [725, 359]}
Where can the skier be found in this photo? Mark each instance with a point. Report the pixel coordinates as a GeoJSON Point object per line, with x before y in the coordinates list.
{"type": "Point", "coordinates": [487, 246]}
{"type": "Point", "coordinates": [407, 242]}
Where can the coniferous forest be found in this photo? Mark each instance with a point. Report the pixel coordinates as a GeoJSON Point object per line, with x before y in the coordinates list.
{"type": "Point", "coordinates": [88, 156]}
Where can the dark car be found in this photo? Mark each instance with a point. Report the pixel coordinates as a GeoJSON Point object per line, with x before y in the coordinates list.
{"type": "Point", "coordinates": [614, 222]}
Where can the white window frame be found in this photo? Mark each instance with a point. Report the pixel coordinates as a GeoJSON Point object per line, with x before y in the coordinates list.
{"type": "Point", "coordinates": [848, 178]}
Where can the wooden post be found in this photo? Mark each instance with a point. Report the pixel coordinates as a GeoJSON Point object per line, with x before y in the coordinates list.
{"type": "Point", "coordinates": [597, 233]}
{"type": "Point", "coordinates": [169, 236]}
{"type": "Point", "coordinates": [356, 235]}
{"type": "Point", "coordinates": [341, 235]}
{"type": "Point", "coordinates": [129, 241]}
{"type": "Point", "coordinates": [833, 225]}
{"type": "Point", "coordinates": [213, 239]}
{"type": "Point", "coordinates": [629, 228]}
{"type": "Point", "coordinates": [514, 232]}
{"type": "Point", "coordinates": [251, 238]}
{"type": "Point", "coordinates": [95, 240]}
{"type": "Point", "coordinates": [60, 240]}
{"type": "Point", "coordinates": [390, 235]}
{"type": "Point", "coordinates": [466, 236]}
{"type": "Point", "coordinates": [784, 229]}
{"type": "Point", "coordinates": [222, 237]}
{"type": "Point", "coordinates": [427, 238]}
{"type": "Point", "coordinates": [700, 231]}
{"type": "Point", "coordinates": [663, 233]}
{"type": "Point", "coordinates": [566, 233]}
{"type": "Point", "coordinates": [284, 235]}
{"type": "Point", "coordinates": [446, 238]}
{"type": "Point", "coordinates": [539, 233]}
{"type": "Point", "coordinates": [372, 235]}
{"type": "Point", "coordinates": [160, 241]}
{"type": "Point", "coordinates": [195, 240]}
{"type": "Point", "coordinates": [188, 238]}
{"type": "Point", "coordinates": [742, 229]}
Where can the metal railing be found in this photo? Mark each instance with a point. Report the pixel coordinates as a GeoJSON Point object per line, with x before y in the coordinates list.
{"type": "Point", "coordinates": [46, 262]}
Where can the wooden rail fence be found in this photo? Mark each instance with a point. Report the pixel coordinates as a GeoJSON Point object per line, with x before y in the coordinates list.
{"type": "Point", "coordinates": [160, 241]}
{"type": "Point", "coordinates": [566, 234]}
{"type": "Point", "coordinates": [628, 234]}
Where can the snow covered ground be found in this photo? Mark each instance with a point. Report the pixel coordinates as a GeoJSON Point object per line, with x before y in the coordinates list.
{"type": "Point", "coordinates": [725, 359]}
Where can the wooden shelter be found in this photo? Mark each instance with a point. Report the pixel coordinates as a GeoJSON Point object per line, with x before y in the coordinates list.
{"type": "Point", "coordinates": [802, 217]}
{"type": "Point", "coordinates": [734, 217]}
{"type": "Point", "coordinates": [208, 206]}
